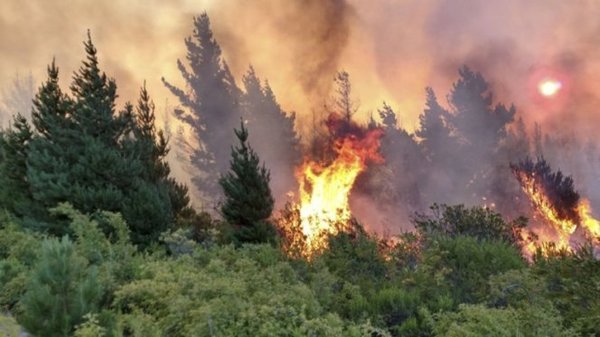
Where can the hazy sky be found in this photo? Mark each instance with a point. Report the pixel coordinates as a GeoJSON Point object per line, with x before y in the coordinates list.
{"type": "Point", "coordinates": [392, 49]}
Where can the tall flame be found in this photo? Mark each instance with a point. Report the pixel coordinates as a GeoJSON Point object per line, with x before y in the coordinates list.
{"type": "Point", "coordinates": [325, 189]}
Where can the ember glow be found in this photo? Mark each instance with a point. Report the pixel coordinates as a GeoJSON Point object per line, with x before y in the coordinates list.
{"type": "Point", "coordinates": [325, 188]}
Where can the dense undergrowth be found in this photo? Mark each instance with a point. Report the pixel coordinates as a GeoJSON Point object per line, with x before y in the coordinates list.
{"type": "Point", "coordinates": [438, 281]}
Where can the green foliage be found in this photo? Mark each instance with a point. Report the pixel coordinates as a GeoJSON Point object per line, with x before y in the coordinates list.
{"type": "Point", "coordinates": [114, 258]}
{"type": "Point", "coordinates": [477, 320]}
{"type": "Point", "coordinates": [355, 257]}
{"type": "Point", "coordinates": [90, 328]}
{"type": "Point", "coordinates": [460, 267]}
{"type": "Point", "coordinates": [249, 291]}
{"type": "Point", "coordinates": [572, 281]}
{"type": "Point", "coordinates": [9, 327]}
{"type": "Point", "coordinates": [50, 284]}
{"type": "Point", "coordinates": [518, 288]}
{"type": "Point", "coordinates": [15, 195]}
{"type": "Point", "coordinates": [61, 290]}
{"type": "Point", "coordinates": [477, 222]}
{"type": "Point", "coordinates": [86, 153]}
{"type": "Point", "coordinates": [18, 254]}
{"type": "Point", "coordinates": [248, 199]}
{"type": "Point", "coordinates": [94, 283]}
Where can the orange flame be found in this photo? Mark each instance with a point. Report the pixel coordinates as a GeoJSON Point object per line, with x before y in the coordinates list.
{"type": "Point", "coordinates": [562, 229]}
{"type": "Point", "coordinates": [589, 223]}
{"type": "Point", "coordinates": [325, 189]}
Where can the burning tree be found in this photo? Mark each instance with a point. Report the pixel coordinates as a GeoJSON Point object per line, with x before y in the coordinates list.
{"type": "Point", "coordinates": [554, 197]}
{"type": "Point", "coordinates": [553, 189]}
{"type": "Point", "coordinates": [325, 187]}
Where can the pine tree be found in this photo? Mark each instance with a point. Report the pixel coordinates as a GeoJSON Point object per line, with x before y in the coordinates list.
{"type": "Point", "coordinates": [153, 150]}
{"type": "Point", "coordinates": [14, 148]}
{"type": "Point", "coordinates": [503, 186]}
{"type": "Point", "coordinates": [441, 150]}
{"type": "Point", "coordinates": [47, 160]}
{"type": "Point", "coordinates": [248, 200]}
{"type": "Point", "coordinates": [86, 153]}
{"type": "Point", "coordinates": [434, 133]}
{"type": "Point", "coordinates": [212, 101]}
{"type": "Point", "coordinates": [344, 104]}
{"type": "Point", "coordinates": [153, 144]}
{"type": "Point", "coordinates": [61, 290]}
{"type": "Point", "coordinates": [481, 124]}
{"type": "Point", "coordinates": [77, 155]}
{"type": "Point", "coordinates": [482, 127]}
{"type": "Point", "coordinates": [268, 121]}
{"type": "Point", "coordinates": [402, 158]}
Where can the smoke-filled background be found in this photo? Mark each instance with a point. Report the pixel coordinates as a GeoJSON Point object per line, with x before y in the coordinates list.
{"type": "Point", "coordinates": [392, 50]}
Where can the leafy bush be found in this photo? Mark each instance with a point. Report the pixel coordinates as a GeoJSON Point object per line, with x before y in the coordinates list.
{"type": "Point", "coordinates": [460, 267]}
{"type": "Point", "coordinates": [477, 222]}
{"type": "Point", "coordinates": [250, 291]}
{"type": "Point", "coordinates": [477, 320]}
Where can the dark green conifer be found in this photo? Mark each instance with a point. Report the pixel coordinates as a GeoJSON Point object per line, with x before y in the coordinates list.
{"type": "Point", "coordinates": [248, 200]}
{"type": "Point", "coordinates": [152, 147]}
{"type": "Point", "coordinates": [14, 147]}
{"type": "Point", "coordinates": [86, 153]}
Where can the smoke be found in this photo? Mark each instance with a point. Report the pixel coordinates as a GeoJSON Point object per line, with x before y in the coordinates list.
{"type": "Point", "coordinates": [297, 45]}
{"type": "Point", "coordinates": [392, 49]}
{"type": "Point", "coordinates": [16, 98]}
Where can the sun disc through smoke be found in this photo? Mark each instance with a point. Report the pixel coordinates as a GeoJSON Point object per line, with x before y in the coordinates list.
{"type": "Point", "coordinates": [549, 87]}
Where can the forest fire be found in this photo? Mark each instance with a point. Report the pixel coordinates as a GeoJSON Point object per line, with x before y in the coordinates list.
{"type": "Point", "coordinates": [325, 188]}
{"type": "Point", "coordinates": [555, 200]}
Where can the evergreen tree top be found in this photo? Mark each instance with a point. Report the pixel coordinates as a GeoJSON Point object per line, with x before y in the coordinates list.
{"type": "Point", "coordinates": [50, 105]}
{"type": "Point", "coordinates": [206, 43]}
{"type": "Point", "coordinates": [95, 94]}
{"type": "Point", "coordinates": [145, 114]}
{"type": "Point", "coordinates": [388, 116]}
{"type": "Point", "coordinates": [431, 121]}
{"type": "Point", "coordinates": [89, 82]}
{"type": "Point", "coordinates": [246, 185]}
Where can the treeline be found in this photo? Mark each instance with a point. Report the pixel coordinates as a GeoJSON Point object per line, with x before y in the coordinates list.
{"type": "Point", "coordinates": [79, 149]}
{"type": "Point", "coordinates": [460, 152]}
